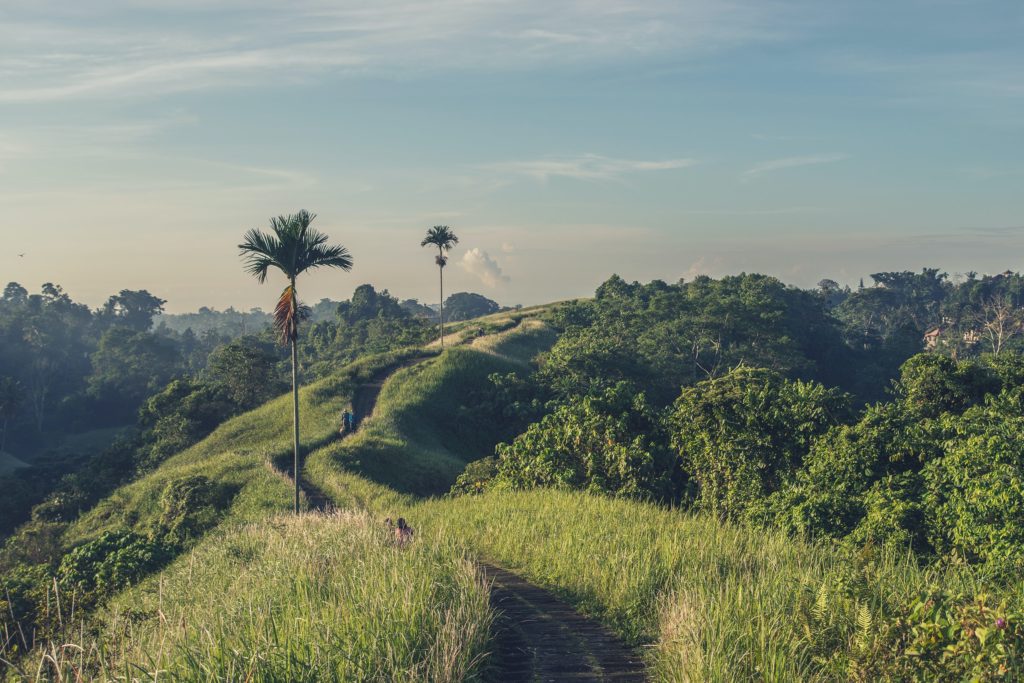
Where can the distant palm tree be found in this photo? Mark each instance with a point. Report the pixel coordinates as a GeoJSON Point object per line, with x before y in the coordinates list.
{"type": "Point", "coordinates": [293, 248]}
{"type": "Point", "coordinates": [442, 237]}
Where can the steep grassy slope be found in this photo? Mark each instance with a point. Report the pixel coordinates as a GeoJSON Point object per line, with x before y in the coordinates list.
{"type": "Point", "coordinates": [239, 454]}
{"type": "Point", "coordinates": [423, 431]}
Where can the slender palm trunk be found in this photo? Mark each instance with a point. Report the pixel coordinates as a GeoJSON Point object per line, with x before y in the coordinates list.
{"type": "Point", "coordinates": [441, 271]}
{"type": "Point", "coordinates": [295, 410]}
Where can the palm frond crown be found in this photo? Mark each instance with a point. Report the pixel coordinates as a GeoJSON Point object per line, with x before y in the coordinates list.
{"type": "Point", "coordinates": [440, 236]}
{"type": "Point", "coordinates": [292, 246]}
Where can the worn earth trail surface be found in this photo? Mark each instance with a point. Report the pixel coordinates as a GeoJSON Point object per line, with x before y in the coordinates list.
{"type": "Point", "coordinates": [537, 636]}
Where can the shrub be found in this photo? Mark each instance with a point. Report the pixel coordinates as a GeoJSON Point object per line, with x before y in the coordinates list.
{"type": "Point", "coordinates": [188, 507]}
{"type": "Point", "coordinates": [941, 635]}
{"type": "Point", "coordinates": [476, 477]}
{"type": "Point", "coordinates": [974, 502]}
{"type": "Point", "coordinates": [109, 563]}
{"type": "Point", "coordinates": [605, 444]}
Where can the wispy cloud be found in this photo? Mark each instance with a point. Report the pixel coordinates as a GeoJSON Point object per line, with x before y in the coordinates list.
{"type": "Point", "coordinates": [479, 263]}
{"type": "Point", "coordinates": [755, 212]}
{"type": "Point", "coordinates": [792, 162]}
{"type": "Point", "coordinates": [586, 167]}
{"type": "Point", "coordinates": [146, 49]}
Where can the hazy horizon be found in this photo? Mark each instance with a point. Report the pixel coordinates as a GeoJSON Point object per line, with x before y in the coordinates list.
{"type": "Point", "coordinates": [562, 143]}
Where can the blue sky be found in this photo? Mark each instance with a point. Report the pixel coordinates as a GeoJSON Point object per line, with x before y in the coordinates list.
{"type": "Point", "coordinates": [562, 141]}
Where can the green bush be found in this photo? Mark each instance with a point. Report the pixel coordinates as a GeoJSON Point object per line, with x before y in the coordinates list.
{"type": "Point", "coordinates": [974, 502]}
{"type": "Point", "coordinates": [941, 635]}
{"type": "Point", "coordinates": [188, 507]}
{"type": "Point", "coordinates": [476, 477]}
{"type": "Point", "coordinates": [604, 444]}
{"type": "Point", "coordinates": [113, 561]}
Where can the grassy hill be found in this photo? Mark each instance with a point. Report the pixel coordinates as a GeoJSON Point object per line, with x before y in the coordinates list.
{"type": "Point", "coordinates": [710, 601]}
{"type": "Point", "coordinates": [240, 455]}
{"type": "Point", "coordinates": [265, 596]}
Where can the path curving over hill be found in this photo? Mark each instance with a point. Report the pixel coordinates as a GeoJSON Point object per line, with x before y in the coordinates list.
{"type": "Point", "coordinates": [537, 636]}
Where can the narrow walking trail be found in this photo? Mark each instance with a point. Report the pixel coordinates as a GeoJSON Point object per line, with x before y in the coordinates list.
{"type": "Point", "coordinates": [541, 638]}
{"type": "Point", "coordinates": [537, 636]}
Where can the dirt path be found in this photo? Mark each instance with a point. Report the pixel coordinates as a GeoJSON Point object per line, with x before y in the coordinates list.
{"type": "Point", "coordinates": [541, 638]}
{"type": "Point", "coordinates": [537, 636]}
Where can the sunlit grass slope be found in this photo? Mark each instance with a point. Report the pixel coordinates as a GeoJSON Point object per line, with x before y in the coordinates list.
{"type": "Point", "coordinates": [313, 598]}
{"type": "Point", "coordinates": [238, 455]}
{"type": "Point", "coordinates": [420, 437]}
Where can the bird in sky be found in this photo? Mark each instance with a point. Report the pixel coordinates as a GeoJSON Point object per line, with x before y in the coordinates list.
{"type": "Point", "coordinates": [21, 255]}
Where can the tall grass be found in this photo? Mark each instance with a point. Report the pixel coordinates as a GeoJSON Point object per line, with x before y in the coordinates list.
{"type": "Point", "coordinates": [714, 602]}
{"type": "Point", "coordinates": [312, 598]}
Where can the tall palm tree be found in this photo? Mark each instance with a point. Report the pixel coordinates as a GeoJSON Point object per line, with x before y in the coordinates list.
{"type": "Point", "coordinates": [293, 248]}
{"type": "Point", "coordinates": [442, 237]}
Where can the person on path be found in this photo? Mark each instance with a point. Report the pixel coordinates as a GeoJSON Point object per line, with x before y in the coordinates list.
{"type": "Point", "coordinates": [403, 533]}
{"type": "Point", "coordinates": [346, 422]}
{"type": "Point", "coordinates": [350, 425]}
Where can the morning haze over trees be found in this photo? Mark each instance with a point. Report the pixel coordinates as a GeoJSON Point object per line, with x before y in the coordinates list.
{"type": "Point", "coordinates": [876, 429]}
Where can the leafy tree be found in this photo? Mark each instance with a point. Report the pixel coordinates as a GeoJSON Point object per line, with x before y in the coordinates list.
{"type": "Point", "coordinates": [829, 495]}
{"type": "Point", "coordinates": [292, 247]}
{"type": "Point", "coordinates": [14, 294]}
{"type": "Point", "coordinates": [247, 372]}
{"type": "Point", "coordinates": [930, 385]}
{"type": "Point", "coordinates": [742, 435]}
{"type": "Point", "coordinates": [179, 416]}
{"type": "Point", "coordinates": [367, 303]}
{"type": "Point", "coordinates": [128, 366]}
{"type": "Point", "coordinates": [442, 237]}
{"type": "Point", "coordinates": [974, 493]}
{"type": "Point", "coordinates": [466, 305]}
{"type": "Point", "coordinates": [664, 336]}
{"type": "Point", "coordinates": [134, 309]}
{"type": "Point", "coordinates": [415, 308]}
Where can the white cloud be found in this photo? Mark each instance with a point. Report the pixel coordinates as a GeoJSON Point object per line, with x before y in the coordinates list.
{"type": "Point", "coordinates": [586, 167]}
{"type": "Point", "coordinates": [479, 263]}
{"type": "Point", "coordinates": [508, 247]}
{"type": "Point", "coordinates": [792, 162]}
{"type": "Point", "coordinates": [703, 266]}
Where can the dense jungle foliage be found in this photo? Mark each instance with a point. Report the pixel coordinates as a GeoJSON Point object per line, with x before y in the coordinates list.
{"type": "Point", "coordinates": [818, 412]}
